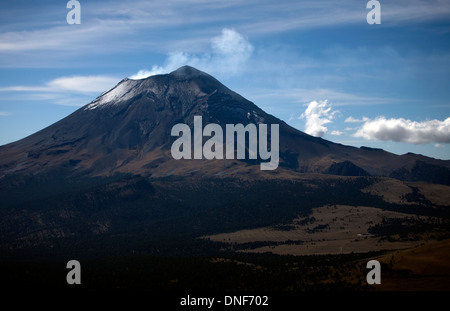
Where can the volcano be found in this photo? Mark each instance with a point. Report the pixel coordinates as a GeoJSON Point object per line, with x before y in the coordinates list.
{"type": "Point", "coordinates": [128, 130]}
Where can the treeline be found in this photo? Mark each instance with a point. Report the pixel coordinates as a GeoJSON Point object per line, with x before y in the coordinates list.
{"type": "Point", "coordinates": [411, 228]}
{"type": "Point", "coordinates": [231, 272]}
{"type": "Point", "coordinates": [133, 214]}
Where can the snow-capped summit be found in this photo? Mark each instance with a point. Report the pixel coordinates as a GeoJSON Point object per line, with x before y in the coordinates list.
{"type": "Point", "coordinates": [123, 91]}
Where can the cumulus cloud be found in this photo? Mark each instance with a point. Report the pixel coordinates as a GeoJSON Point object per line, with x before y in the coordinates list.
{"type": "Point", "coordinates": [229, 54]}
{"type": "Point", "coordinates": [402, 130]}
{"type": "Point", "coordinates": [317, 115]}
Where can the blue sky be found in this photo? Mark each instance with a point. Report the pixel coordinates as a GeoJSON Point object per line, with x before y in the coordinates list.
{"type": "Point", "coordinates": [316, 64]}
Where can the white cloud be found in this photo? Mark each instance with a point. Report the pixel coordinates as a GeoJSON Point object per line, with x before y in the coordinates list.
{"type": "Point", "coordinates": [307, 95]}
{"type": "Point", "coordinates": [317, 114]}
{"type": "Point", "coordinates": [337, 133]}
{"type": "Point", "coordinates": [4, 113]}
{"type": "Point", "coordinates": [78, 84]}
{"type": "Point", "coordinates": [353, 120]}
{"type": "Point", "coordinates": [402, 130]}
{"type": "Point", "coordinates": [230, 52]}
{"type": "Point", "coordinates": [23, 88]}
{"type": "Point", "coordinates": [173, 62]}
{"type": "Point", "coordinates": [83, 84]}
{"type": "Point", "coordinates": [66, 91]}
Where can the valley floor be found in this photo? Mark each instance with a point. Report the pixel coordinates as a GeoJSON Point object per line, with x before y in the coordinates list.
{"type": "Point", "coordinates": [421, 268]}
{"type": "Point", "coordinates": [424, 268]}
{"type": "Point", "coordinates": [331, 229]}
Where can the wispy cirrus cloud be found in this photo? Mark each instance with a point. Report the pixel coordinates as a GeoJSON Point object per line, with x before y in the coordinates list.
{"type": "Point", "coordinates": [337, 133]}
{"type": "Point", "coordinates": [84, 84]}
{"type": "Point", "coordinates": [121, 20]}
{"type": "Point", "coordinates": [65, 91]}
{"type": "Point", "coordinates": [353, 120]}
{"type": "Point", "coordinates": [77, 84]}
{"type": "Point", "coordinates": [340, 98]}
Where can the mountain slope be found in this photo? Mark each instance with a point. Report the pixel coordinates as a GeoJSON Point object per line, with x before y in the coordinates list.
{"type": "Point", "coordinates": [127, 130]}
